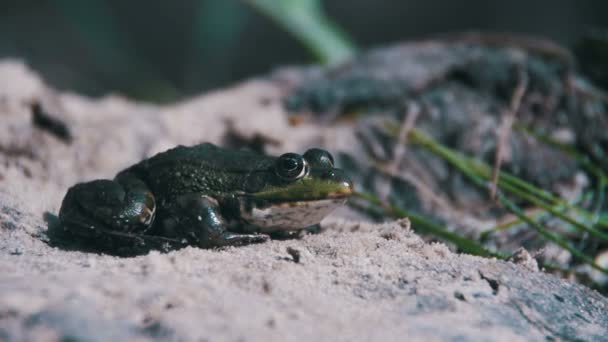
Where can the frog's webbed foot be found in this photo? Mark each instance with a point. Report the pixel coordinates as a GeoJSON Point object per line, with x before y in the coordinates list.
{"type": "Point", "coordinates": [200, 219]}
{"type": "Point", "coordinates": [107, 215]}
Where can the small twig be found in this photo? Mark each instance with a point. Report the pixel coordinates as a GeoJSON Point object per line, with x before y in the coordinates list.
{"type": "Point", "coordinates": [516, 185]}
{"type": "Point", "coordinates": [423, 188]}
{"type": "Point", "coordinates": [479, 175]}
{"type": "Point", "coordinates": [505, 129]}
{"type": "Point", "coordinates": [427, 193]}
{"type": "Point", "coordinates": [413, 110]}
{"type": "Point", "coordinates": [368, 135]}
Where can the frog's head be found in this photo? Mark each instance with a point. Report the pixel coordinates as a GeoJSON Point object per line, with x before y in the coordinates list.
{"type": "Point", "coordinates": [297, 191]}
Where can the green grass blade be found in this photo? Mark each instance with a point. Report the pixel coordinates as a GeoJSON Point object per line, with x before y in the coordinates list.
{"type": "Point", "coordinates": [549, 235]}
{"type": "Point", "coordinates": [470, 166]}
{"type": "Point", "coordinates": [420, 223]}
{"type": "Point", "coordinates": [517, 185]}
{"type": "Point", "coordinates": [480, 179]}
{"type": "Point", "coordinates": [306, 20]}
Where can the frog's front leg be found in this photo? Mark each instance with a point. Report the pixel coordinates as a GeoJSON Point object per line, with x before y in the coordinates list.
{"type": "Point", "coordinates": [108, 213]}
{"type": "Point", "coordinates": [198, 217]}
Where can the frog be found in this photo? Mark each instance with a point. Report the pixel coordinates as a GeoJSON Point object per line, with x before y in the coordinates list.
{"type": "Point", "coordinates": [205, 196]}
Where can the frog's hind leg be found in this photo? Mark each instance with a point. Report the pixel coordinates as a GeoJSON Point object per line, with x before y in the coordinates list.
{"type": "Point", "coordinates": [200, 220]}
{"type": "Point", "coordinates": [107, 215]}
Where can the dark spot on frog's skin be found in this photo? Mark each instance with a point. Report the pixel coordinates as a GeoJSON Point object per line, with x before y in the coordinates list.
{"type": "Point", "coordinates": [254, 183]}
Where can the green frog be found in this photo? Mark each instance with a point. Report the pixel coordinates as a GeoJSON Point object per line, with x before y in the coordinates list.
{"type": "Point", "coordinates": [205, 196]}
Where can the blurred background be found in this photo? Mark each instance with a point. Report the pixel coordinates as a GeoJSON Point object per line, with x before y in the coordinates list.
{"type": "Point", "coordinates": [165, 50]}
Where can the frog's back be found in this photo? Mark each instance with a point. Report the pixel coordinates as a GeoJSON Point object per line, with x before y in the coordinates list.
{"type": "Point", "coordinates": [209, 156]}
{"type": "Point", "coordinates": [204, 168]}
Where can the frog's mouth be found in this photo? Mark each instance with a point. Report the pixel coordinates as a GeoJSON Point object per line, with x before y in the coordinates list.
{"type": "Point", "coordinates": [272, 217]}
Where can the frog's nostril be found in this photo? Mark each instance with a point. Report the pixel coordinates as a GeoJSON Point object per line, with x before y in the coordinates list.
{"type": "Point", "coordinates": [338, 177]}
{"type": "Point", "coordinates": [330, 174]}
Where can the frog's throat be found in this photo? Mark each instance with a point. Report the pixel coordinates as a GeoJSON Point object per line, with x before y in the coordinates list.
{"type": "Point", "coordinates": [287, 216]}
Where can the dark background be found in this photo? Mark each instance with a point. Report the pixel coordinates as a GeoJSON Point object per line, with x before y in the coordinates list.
{"type": "Point", "coordinates": [163, 50]}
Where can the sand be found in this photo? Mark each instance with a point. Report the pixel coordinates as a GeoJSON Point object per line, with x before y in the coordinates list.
{"type": "Point", "coordinates": [354, 281]}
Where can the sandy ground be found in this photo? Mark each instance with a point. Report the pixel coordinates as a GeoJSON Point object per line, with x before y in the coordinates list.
{"type": "Point", "coordinates": [353, 281]}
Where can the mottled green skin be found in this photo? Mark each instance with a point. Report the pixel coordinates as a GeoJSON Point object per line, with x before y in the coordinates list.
{"type": "Point", "coordinates": [191, 196]}
{"type": "Point", "coordinates": [204, 168]}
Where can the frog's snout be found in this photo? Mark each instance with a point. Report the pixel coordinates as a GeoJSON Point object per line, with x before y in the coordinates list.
{"type": "Point", "coordinates": [344, 186]}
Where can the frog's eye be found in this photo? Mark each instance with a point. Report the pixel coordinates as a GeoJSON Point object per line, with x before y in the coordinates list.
{"type": "Point", "coordinates": [291, 166]}
{"type": "Point", "coordinates": [319, 157]}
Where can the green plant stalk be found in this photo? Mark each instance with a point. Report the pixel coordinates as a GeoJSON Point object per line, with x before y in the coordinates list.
{"type": "Point", "coordinates": [506, 178]}
{"type": "Point", "coordinates": [518, 182]}
{"type": "Point", "coordinates": [584, 160]}
{"type": "Point", "coordinates": [569, 149]}
{"type": "Point", "coordinates": [556, 213]}
{"type": "Point", "coordinates": [421, 224]}
{"type": "Point", "coordinates": [602, 185]}
{"type": "Point", "coordinates": [515, 182]}
{"type": "Point", "coordinates": [465, 245]}
{"type": "Point", "coordinates": [463, 162]}
{"type": "Point", "coordinates": [373, 211]}
{"type": "Point", "coordinates": [460, 163]}
{"type": "Point", "coordinates": [504, 226]}
{"type": "Point", "coordinates": [547, 234]}
{"type": "Point", "coordinates": [472, 165]}
{"type": "Point", "coordinates": [307, 22]}
{"type": "Point", "coordinates": [464, 165]}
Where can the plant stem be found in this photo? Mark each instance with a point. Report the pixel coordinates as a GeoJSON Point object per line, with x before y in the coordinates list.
{"type": "Point", "coordinates": [584, 160]}
{"type": "Point", "coordinates": [422, 224]}
{"type": "Point", "coordinates": [307, 22]}
{"type": "Point", "coordinates": [477, 176]}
